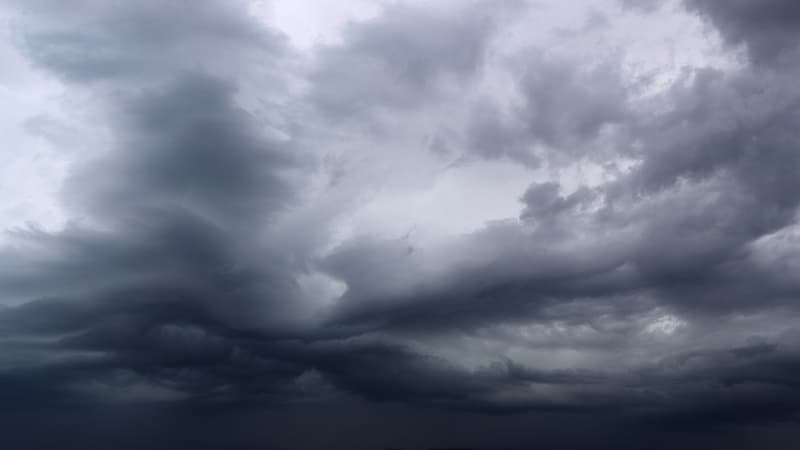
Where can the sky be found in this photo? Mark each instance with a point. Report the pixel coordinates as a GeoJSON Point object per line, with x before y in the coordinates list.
{"type": "Point", "coordinates": [371, 224]}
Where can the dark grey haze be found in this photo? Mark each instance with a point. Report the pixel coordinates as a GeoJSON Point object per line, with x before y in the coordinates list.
{"type": "Point", "coordinates": [167, 312]}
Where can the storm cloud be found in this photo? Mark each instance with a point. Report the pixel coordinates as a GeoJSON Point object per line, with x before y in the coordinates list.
{"type": "Point", "coordinates": [465, 214]}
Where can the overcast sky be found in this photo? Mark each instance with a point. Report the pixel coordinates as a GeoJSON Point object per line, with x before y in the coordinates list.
{"type": "Point", "coordinates": [364, 224]}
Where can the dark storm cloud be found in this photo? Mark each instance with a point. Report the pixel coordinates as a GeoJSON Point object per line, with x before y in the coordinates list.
{"type": "Point", "coordinates": [171, 284]}
{"type": "Point", "coordinates": [683, 229]}
{"type": "Point", "coordinates": [167, 258]}
{"type": "Point", "coordinates": [680, 226]}
{"type": "Point", "coordinates": [769, 29]}
{"type": "Point", "coordinates": [171, 289]}
{"type": "Point", "coordinates": [183, 196]}
{"type": "Point", "coordinates": [178, 132]}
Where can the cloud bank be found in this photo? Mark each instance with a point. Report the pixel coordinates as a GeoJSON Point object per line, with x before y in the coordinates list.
{"type": "Point", "coordinates": [462, 209]}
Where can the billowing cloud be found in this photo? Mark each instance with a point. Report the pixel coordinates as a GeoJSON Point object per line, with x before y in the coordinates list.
{"type": "Point", "coordinates": [251, 226]}
{"type": "Point", "coordinates": [768, 29]}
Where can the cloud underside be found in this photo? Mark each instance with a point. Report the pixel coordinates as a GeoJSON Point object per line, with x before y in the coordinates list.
{"type": "Point", "coordinates": [667, 287]}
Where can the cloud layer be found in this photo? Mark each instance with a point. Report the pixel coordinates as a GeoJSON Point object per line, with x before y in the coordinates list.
{"type": "Point", "coordinates": [254, 225]}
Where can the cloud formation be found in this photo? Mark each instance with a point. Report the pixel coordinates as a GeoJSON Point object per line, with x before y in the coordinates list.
{"type": "Point", "coordinates": [244, 236]}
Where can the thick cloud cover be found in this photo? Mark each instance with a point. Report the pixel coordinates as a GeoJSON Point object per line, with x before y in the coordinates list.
{"type": "Point", "coordinates": [768, 29]}
{"type": "Point", "coordinates": [259, 234]}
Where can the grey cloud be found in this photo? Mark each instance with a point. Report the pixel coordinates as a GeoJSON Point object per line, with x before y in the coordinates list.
{"type": "Point", "coordinates": [91, 41]}
{"type": "Point", "coordinates": [176, 282]}
{"type": "Point", "coordinates": [404, 57]}
{"type": "Point", "coordinates": [235, 173]}
{"type": "Point", "coordinates": [544, 201]}
{"type": "Point", "coordinates": [494, 134]}
{"type": "Point", "coordinates": [642, 5]}
{"type": "Point", "coordinates": [678, 228]}
{"type": "Point", "coordinates": [677, 225]}
{"type": "Point", "coordinates": [769, 29]}
{"type": "Point", "coordinates": [674, 232]}
{"type": "Point", "coordinates": [165, 263]}
{"type": "Point", "coordinates": [173, 221]}
{"type": "Point", "coordinates": [564, 107]}
{"type": "Point", "coordinates": [566, 104]}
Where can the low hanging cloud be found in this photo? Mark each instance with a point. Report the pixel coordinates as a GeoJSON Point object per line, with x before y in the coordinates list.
{"type": "Point", "coordinates": [243, 237]}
